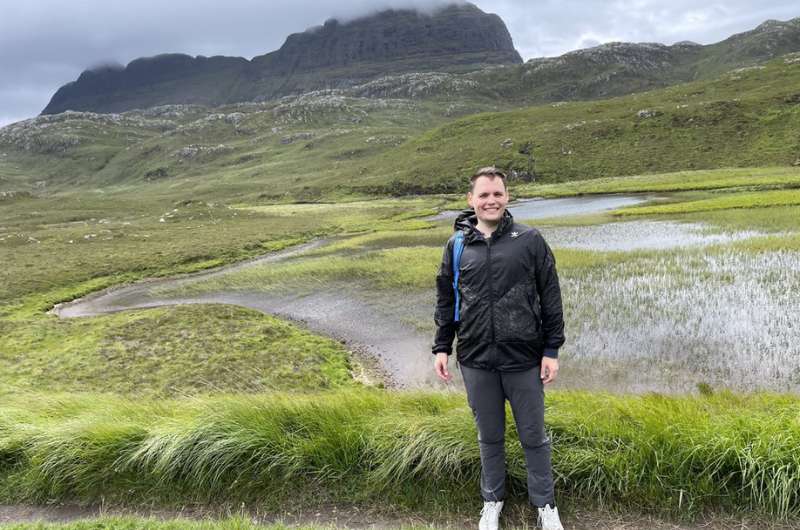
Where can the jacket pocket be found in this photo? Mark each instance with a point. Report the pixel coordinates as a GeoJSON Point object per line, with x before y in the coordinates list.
{"type": "Point", "coordinates": [515, 314]}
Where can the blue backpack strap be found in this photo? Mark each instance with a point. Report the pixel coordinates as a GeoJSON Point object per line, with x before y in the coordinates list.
{"type": "Point", "coordinates": [458, 248]}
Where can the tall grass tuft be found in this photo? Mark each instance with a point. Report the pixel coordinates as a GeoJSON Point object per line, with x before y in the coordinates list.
{"type": "Point", "coordinates": [413, 449]}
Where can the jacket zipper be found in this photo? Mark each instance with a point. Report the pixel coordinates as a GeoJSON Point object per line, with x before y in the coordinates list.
{"type": "Point", "coordinates": [491, 289]}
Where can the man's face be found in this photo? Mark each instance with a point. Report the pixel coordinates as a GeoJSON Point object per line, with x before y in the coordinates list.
{"type": "Point", "coordinates": [489, 199]}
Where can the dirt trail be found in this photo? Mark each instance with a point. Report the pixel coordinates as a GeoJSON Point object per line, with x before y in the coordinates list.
{"type": "Point", "coordinates": [348, 516]}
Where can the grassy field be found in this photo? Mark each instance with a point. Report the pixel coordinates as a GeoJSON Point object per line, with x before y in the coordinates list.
{"type": "Point", "coordinates": [735, 453]}
{"type": "Point", "coordinates": [53, 244]}
{"type": "Point", "coordinates": [60, 248]}
{"type": "Point", "coordinates": [170, 351]}
{"type": "Point", "coordinates": [707, 451]}
{"type": "Point", "coordinates": [391, 251]}
{"type": "Point", "coordinates": [669, 454]}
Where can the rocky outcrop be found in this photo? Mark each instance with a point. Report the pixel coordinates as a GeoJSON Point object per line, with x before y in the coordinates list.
{"type": "Point", "coordinates": [335, 55]}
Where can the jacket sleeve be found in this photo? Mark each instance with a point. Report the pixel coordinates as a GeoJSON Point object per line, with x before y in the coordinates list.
{"type": "Point", "coordinates": [550, 298]}
{"type": "Point", "coordinates": [445, 303]}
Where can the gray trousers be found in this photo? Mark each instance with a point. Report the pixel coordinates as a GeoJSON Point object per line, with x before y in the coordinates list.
{"type": "Point", "coordinates": [486, 393]}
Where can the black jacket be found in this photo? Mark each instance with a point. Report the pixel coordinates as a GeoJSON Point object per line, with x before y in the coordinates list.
{"type": "Point", "coordinates": [510, 310]}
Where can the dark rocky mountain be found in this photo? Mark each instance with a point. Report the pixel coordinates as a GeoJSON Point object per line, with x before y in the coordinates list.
{"type": "Point", "coordinates": [459, 38]}
{"type": "Point", "coordinates": [402, 53]}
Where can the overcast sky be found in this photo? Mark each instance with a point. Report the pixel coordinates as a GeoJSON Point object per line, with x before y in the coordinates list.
{"type": "Point", "coordinates": [46, 43]}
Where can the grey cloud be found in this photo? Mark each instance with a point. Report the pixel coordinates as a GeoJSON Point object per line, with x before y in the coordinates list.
{"type": "Point", "coordinates": [46, 43]}
{"type": "Point", "coordinates": [551, 28]}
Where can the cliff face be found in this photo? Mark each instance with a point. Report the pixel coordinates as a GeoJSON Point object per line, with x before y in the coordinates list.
{"type": "Point", "coordinates": [395, 35]}
{"type": "Point", "coordinates": [459, 36]}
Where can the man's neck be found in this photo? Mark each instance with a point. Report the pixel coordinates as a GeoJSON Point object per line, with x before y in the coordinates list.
{"type": "Point", "coordinates": [487, 229]}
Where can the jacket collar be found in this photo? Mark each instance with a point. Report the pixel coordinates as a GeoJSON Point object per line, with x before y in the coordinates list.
{"type": "Point", "coordinates": [467, 222]}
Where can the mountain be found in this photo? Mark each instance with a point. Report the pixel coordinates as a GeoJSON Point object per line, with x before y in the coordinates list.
{"type": "Point", "coordinates": [311, 145]}
{"type": "Point", "coordinates": [458, 37]}
{"type": "Point", "coordinates": [620, 68]}
{"type": "Point", "coordinates": [456, 51]}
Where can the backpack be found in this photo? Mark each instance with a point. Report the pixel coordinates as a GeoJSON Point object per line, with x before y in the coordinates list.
{"type": "Point", "coordinates": [458, 248]}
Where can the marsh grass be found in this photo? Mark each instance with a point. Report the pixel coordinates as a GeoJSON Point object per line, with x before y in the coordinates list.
{"type": "Point", "coordinates": [416, 450]}
{"type": "Point", "coordinates": [726, 309]}
{"type": "Point", "coordinates": [726, 317]}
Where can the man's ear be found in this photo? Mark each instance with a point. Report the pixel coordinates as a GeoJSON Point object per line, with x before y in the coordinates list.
{"type": "Point", "coordinates": [469, 199]}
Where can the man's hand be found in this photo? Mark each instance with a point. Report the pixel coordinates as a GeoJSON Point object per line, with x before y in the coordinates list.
{"type": "Point", "coordinates": [549, 370]}
{"type": "Point", "coordinates": [440, 364]}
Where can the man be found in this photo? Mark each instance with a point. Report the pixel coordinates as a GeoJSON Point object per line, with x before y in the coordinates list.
{"type": "Point", "coordinates": [509, 330]}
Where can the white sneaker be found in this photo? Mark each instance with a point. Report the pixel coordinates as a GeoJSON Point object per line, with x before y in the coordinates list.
{"type": "Point", "coordinates": [548, 518]}
{"type": "Point", "coordinates": [490, 515]}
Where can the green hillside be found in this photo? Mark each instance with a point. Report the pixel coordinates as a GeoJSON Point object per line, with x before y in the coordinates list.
{"type": "Point", "coordinates": [321, 144]}
{"type": "Point", "coordinates": [746, 118]}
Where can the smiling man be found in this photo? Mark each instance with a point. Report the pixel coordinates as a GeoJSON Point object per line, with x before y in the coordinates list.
{"type": "Point", "coordinates": [506, 310]}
